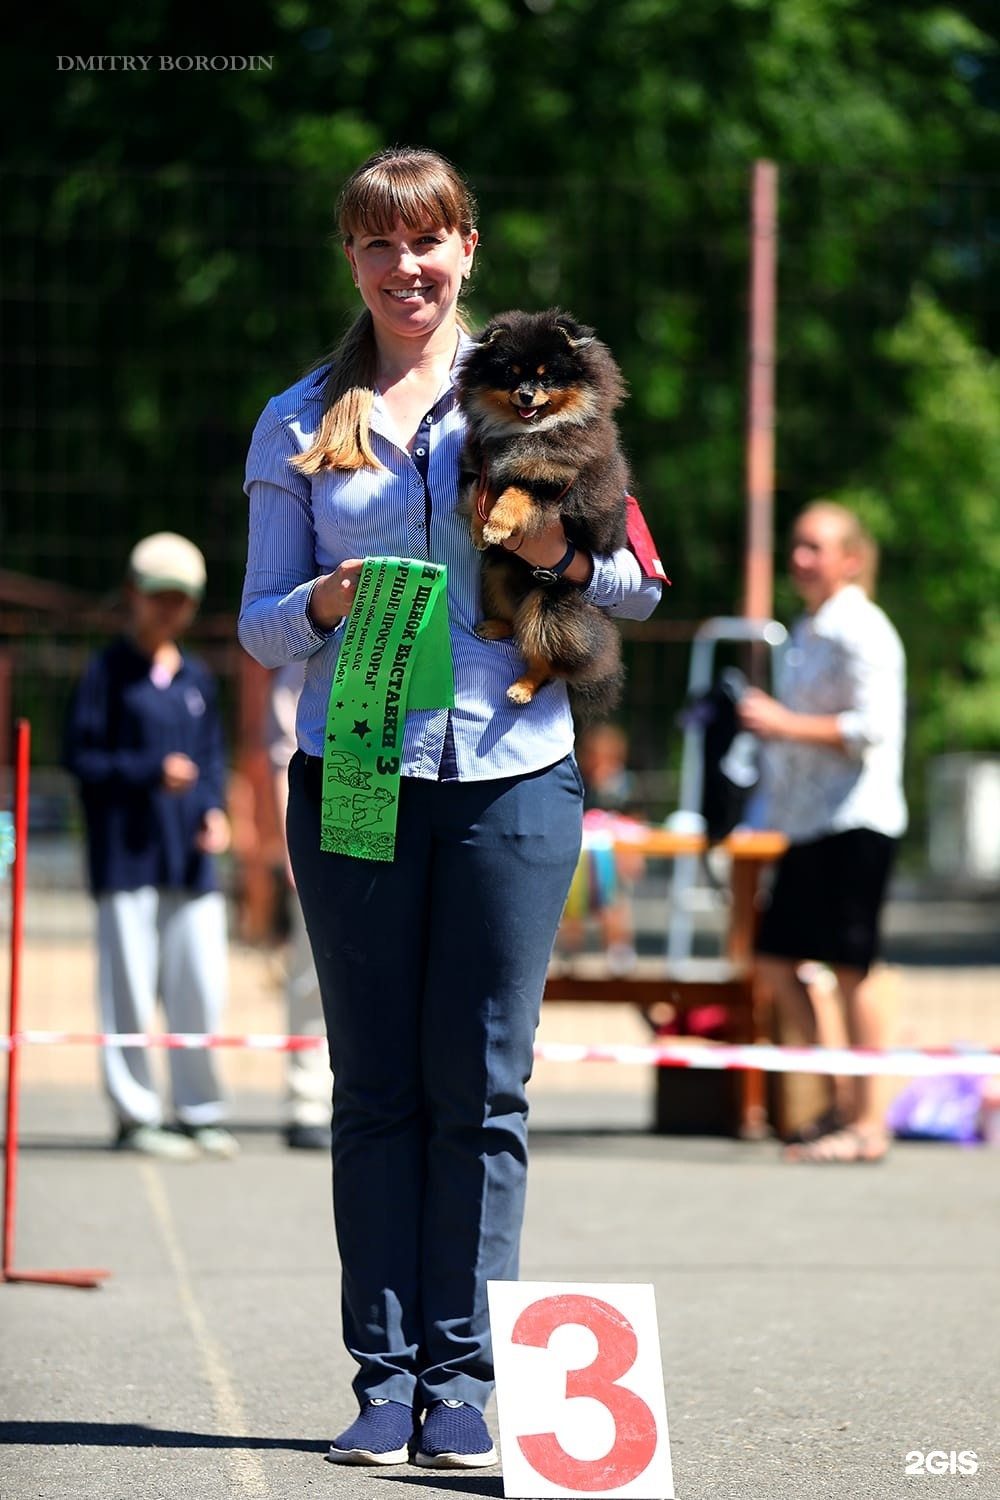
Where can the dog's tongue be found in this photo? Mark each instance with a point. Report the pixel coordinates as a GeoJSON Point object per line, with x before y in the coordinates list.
{"type": "Point", "coordinates": [527, 412]}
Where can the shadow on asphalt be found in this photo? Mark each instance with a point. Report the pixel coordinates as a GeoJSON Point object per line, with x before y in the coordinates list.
{"type": "Point", "coordinates": [139, 1435]}
{"type": "Point", "coordinates": [462, 1484]}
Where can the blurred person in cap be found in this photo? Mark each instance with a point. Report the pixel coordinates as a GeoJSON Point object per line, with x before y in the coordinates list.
{"type": "Point", "coordinates": [144, 741]}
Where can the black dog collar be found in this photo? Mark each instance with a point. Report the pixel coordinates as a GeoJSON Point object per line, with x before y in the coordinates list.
{"type": "Point", "coordinates": [553, 574]}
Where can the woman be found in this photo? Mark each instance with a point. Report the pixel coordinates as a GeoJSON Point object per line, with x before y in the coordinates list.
{"type": "Point", "coordinates": [834, 782]}
{"type": "Point", "coordinates": [431, 965]}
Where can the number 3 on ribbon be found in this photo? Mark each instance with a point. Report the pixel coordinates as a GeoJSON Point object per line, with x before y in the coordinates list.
{"type": "Point", "coordinates": [635, 1425]}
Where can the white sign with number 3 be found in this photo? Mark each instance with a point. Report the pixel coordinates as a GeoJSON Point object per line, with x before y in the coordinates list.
{"type": "Point", "coordinates": [579, 1387]}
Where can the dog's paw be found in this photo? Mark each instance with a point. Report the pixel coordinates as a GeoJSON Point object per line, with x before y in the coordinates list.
{"type": "Point", "coordinates": [495, 533]}
{"type": "Point", "coordinates": [521, 692]}
{"type": "Point", "coordinates": [494, 630]}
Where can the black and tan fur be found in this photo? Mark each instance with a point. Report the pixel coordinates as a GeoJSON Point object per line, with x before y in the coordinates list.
{"type": "Point", "coordinates": [538, 390]}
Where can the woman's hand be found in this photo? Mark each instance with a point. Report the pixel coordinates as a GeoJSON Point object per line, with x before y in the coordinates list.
{"type": "Point", "coordinates": [543, 549]}
{"type": "Point", "coordinates": [333, 594]}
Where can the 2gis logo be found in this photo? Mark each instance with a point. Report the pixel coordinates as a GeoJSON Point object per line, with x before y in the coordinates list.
{"type": "Point", "coordinates": [936, 1461]}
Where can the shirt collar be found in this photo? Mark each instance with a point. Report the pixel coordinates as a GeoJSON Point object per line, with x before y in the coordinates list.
{"type": "Point", "coordinates": [843, 601]}
{"type": "Point", "coordinates": [445, 400]}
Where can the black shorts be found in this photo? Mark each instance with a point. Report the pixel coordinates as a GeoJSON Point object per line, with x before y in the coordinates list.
{"type": "Point", "coordinates": [827, 898]}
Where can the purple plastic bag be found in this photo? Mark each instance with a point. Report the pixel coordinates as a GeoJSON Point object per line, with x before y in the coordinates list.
{"type": "Point", "coordinates": [947, 1108]}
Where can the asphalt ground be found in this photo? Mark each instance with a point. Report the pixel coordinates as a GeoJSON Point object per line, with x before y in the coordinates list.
{"type": "Point", "coordinates": [819, 1326]}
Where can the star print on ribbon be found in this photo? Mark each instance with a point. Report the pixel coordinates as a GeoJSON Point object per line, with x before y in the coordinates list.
{"type": "Point", "coordinates": [395, 655]}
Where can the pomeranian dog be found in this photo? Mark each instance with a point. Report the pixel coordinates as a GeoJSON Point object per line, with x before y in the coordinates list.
{"type": "Point", "coordinates": [538, 390]}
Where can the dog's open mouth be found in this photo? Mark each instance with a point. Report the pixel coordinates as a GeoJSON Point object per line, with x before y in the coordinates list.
{"type": "Point", "coordinates": [528, 412]}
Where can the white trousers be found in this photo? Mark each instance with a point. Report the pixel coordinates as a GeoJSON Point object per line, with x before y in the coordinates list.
{"type": "Point", "coordinates": [173, 945]}
{"type": "Point", "coordinates": [309, 1080]}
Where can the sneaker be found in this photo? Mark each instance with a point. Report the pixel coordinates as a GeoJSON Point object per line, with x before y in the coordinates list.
{"type": "Point", "coordinates": [381, 1434]}
{"type": "Point", "coordinates": [455, 1436]}
{"type": "Point", "coordinates": [155, 1140]}
{"type": "Point", "coordinates": [211, 1140]}
{"type": "Point", "coordinates": [308, 1137]}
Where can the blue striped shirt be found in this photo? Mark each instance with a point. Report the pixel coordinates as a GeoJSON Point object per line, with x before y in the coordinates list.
{"type": "Point", "coordinates": [302, 526]}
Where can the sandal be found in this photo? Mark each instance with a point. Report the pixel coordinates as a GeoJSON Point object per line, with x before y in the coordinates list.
{"type": "Point", "coordinates": [849, 1144]}
{"type": "Point", "coordinates": [825, 1124]}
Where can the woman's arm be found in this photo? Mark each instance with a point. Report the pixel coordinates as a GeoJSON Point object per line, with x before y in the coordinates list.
{"type": "Point", "coordinates": [275, 626]}
{"type": "Point", "coordinates": [615, 583]}
{"type": "Point", "coordinates": [619, 585]}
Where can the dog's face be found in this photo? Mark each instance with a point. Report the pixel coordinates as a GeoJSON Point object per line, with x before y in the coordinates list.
{"type": "Point", "coordinates": [530, 370]}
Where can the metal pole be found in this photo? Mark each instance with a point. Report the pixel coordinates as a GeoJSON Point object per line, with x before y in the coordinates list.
{"type": "Point", "coordinates": [21, 758]}
{"type": "Point", "coordinates": [90, 1277]}
{"type": "Point", "coordinates": [758, 578]}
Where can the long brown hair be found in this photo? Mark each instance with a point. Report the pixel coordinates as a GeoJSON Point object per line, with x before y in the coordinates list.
{"type": "Point", "coordinates": [413, 185]}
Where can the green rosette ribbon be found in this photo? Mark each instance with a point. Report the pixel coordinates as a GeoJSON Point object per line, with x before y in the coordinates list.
{"type": "Point", "coordinates": [395, 655]}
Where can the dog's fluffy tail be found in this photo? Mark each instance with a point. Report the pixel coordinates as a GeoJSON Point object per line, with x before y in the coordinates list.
{"type": "Point", "coordinates": [595, 698]}
{"type": "Point", "coordinates": [579, 642]}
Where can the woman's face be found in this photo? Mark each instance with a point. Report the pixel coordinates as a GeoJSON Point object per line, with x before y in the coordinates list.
{"type": "Point", "coordinates": [409, 278]}
{"type": "Point", "coordinates": [820, 561]}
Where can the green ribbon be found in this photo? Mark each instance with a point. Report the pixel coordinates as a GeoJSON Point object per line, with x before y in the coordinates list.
{"type": "Point", "coordinates": [395, 655]}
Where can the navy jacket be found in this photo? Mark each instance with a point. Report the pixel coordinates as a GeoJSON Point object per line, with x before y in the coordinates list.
{"type": "Point", "coordinates": [120, 727]}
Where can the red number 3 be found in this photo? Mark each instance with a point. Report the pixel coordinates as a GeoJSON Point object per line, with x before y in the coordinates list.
{"type": "Point", "coordinates": [635, 1425]}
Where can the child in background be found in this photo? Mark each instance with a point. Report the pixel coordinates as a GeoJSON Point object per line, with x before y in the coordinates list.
{"type": "Point", "coordinates": [144, 741]}
{"type": "Point", "coordinates": [604, 878]}
{"type": "Point", "coordinates": [309, 1095]}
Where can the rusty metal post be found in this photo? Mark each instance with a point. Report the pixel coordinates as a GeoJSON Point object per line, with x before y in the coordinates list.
{"type": "Point", "coordinates": [758, 577]}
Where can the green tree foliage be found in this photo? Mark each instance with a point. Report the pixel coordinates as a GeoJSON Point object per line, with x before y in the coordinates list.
{"type": "Point", "coordinates": [933, 501]}
{"type": "Point", "coordinates": [171, 260]}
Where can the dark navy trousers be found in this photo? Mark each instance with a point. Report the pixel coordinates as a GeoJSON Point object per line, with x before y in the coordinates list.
{"type": "Point", "coordinates": [431, 970]}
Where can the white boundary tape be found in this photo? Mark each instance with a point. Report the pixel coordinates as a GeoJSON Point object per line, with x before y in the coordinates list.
{"type": "Point", "coordinates": [844, 1061]}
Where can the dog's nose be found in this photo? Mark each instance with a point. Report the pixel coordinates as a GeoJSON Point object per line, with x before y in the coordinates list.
{"type": "Point", "coordinates": [526, 395]}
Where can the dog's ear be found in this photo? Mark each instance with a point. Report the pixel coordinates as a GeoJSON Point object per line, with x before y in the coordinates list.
{"type": "Point", "coordinates": [494, 332]}
{"type": "Point", "coordinates": [575, 334]}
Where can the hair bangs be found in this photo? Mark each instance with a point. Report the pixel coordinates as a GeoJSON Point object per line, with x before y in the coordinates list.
{"type": "Point", "coordinates": [418, 191]}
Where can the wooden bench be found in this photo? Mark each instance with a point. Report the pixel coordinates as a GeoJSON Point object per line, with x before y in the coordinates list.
{"type": "Point", "coordinates": [655, 984]}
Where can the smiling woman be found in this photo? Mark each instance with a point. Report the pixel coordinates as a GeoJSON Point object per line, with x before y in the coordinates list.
{"type": "Point", "coordinates": [432, 934]}
{"type": "Point", "coordinates": [408, 225]}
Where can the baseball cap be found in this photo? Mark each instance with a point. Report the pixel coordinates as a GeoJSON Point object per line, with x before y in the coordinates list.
{"type": "Point", "coordinates": [166, 561]}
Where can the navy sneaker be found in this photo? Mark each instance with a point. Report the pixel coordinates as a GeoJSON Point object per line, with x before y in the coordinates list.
{"type": "Point", "coordinates": [455, 1436]}
{"type": "Point", "coordinates": [381, 1434]}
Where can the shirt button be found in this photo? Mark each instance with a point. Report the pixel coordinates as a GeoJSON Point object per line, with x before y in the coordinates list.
{"type": "Point", "coordinates": [420, 452]}
{"type": "Point", "coordinates": [429, 417]}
